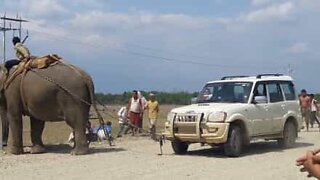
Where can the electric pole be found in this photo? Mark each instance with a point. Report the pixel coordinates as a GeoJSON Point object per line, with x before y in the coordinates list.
{"type": "Point", "coordinates": [7, 26]}
{"type": "Point", "coordinates": [290, 70]}
{"type": "Point", "coordinates": [4, 27]}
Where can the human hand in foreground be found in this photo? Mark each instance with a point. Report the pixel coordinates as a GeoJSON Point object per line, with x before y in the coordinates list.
{"type": "Point", "coordinates": [310, 163]}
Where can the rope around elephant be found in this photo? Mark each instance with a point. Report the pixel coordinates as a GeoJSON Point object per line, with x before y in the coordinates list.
{"type": "Point", "coordinates": [159, 137]}
{"type": "Point", "coordinates": [101, 121]}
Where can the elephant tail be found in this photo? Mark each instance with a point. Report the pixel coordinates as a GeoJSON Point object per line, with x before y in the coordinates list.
{"type": "Point", "coordinates": [89, 82]}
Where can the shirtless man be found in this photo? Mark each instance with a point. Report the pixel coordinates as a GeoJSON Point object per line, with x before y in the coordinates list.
{"type": "Point", "coordinates": [305, 107]}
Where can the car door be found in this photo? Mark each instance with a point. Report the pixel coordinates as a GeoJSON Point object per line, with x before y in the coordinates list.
{"type": "Point", "coordinates": [277, 106]}
{"type": "Point", "coordinates": [291, 104]}
{"type": "Point", "coordinates": [257, 112]}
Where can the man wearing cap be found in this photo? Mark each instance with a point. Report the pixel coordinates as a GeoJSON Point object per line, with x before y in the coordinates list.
{"type": "Point", "coordinates": [153, 110]}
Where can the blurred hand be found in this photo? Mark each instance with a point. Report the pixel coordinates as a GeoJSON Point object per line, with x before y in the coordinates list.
{"type": "Point", "coordinates": [302, 159]}
{"type": "Point", "coordinates": [310, 163]}
{"type": "Point", "coordinates": [312, 167]}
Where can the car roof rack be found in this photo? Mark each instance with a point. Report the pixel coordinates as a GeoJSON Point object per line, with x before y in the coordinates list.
{"type": "Point", "coordinates": [231, 77]}
{"type": "Point", "coordinates": [271, 74]}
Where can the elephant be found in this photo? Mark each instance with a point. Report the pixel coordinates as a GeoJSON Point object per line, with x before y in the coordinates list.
{"type": "Point", "coordinates": [61, 92]}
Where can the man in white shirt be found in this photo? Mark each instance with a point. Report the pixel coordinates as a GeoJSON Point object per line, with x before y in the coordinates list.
{"type": "Point", "coordinates": [314, 109]}
{"type": "Point", "coordinates": [122, 114]}
{"type": "Point", "coordinates": [143, 104]}
{"type": "Point", "coordinates": [135, 111]}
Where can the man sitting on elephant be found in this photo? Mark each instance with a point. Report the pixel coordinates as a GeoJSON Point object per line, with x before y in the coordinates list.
{"type": "Point", "coordinates": [22, 53]}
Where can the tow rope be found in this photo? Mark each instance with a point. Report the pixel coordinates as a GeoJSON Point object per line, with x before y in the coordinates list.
{"type": "Point", "coordinates": [101, 121]}
{"type": "Point", "coordinates": [158, 137]}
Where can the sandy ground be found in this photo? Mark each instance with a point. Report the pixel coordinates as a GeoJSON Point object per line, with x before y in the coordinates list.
{"type": "Point", "coordinates": [137, 158]}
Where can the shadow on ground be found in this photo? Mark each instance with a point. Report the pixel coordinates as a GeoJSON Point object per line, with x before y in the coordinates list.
{"type": "Point", "coordinates": [66, 149]}
{"type": "Point", "coordinates": [252, 149]}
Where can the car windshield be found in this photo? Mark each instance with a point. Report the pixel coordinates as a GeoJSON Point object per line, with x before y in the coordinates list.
{"type": "Point", "coordinates": [225, 92]}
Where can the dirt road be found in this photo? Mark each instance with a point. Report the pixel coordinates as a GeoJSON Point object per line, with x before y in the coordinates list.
{"type": "Point", "coordinates": [136, 158]}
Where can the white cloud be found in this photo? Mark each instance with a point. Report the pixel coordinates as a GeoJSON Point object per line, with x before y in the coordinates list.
{"type": "Point", "coordinates": [87, 32]}
{"type": "Point", "coordinates": [262, 2]}
{"type": "Point", "coordinates": [298, 48]}
{"type": "Point", "coordinates": [43, 8]}
{"type": "Point", "coordinates": [133, 20]}
{"type": "Point", "coordinates": [311, 4]}
{"type": "Point", "coordinates": [270, 13]}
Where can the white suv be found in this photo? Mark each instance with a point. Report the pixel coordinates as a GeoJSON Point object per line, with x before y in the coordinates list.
{"type": "Point", "coordinates": [235, 110]}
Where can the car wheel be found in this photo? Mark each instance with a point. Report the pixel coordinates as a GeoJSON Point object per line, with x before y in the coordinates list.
{"type": "Point", "coordinates": [233, 146]}
{"type": "Point", "coordinates": [289, 135]}
{"type": "Point", "coordinates": [179, 147]}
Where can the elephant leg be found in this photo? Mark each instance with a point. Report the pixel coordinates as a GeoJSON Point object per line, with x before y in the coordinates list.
{"type": "Point", "coordinates": [5, 128]}
{"type": "Point", "coordinates": [78, 122]}
{"type": "Point", "coordinates": [81, 145]}
{"type": "Point", "coordinates": [15, 126]}
{"type": "Point", "coordinates": [37, 127]}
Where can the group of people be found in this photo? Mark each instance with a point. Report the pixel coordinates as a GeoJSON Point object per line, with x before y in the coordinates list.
{"type": "Point", "coordinates": [132, 114]}
{"type": "Point", "coordinates": [309, 108]}
{"type": "Point", "coordinates": [310, 162]}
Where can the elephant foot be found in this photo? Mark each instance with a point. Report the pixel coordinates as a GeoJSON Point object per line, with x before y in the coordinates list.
{"type": "Point", "coordinates": [80, 151]}
{"type": "Point", "coordinates": [16, 150]}
{"type": "Point", "coordinates": [37, 149]}
{"type": "Point", "coordinates": [4, 143]}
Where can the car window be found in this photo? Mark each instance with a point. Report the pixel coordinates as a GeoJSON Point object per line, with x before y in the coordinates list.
{"type": "Point", "coordinates": [275, 93]}
{"type": "Point", "coordinates": [260, 90]}
{"type": "Point", "coordinates": [225, 92]}
{"type": "Point", "coordinates": [288, 91]}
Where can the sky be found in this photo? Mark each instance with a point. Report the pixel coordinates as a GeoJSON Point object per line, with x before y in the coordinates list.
{"type": "Point", "coordinates": [174, 45]}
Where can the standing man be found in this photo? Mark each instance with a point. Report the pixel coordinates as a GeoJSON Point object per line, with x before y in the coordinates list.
{"type": "Point", "coordinates": [314, 110]}
{"type": "Point", "coordinates": [134, 110]}
{"type": "Point", "coordinates": [122, 114]}
{"type": "Point", "coordinates": [305, 107]}
{"type": "Point", "coordinates": [143, 104]}
{"type": "Point", "coordinates": [153, 110]}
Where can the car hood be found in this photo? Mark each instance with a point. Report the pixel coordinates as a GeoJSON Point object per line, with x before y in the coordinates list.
{"type": "Point", "coordinates": [207, 107]}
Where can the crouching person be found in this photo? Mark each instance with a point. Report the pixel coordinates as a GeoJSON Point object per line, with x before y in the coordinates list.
{"type": "Point", "coordinates": [104, 135]}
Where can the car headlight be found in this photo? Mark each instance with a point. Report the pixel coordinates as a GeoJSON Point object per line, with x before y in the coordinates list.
{"type": "Point", "coordinates": [170, 117]}
{"type": "Point", "coordinates": [218, 116]}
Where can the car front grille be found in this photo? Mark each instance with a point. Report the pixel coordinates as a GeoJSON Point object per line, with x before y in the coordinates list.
{"type": "Point", "coordinates": [186, 118]}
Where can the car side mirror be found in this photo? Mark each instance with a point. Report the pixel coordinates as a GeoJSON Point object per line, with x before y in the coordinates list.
{"type": "Point", "coordinates": [260, 100]}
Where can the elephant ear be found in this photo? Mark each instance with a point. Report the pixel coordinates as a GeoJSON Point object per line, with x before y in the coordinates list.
{"type": "Point", "coordinates": [3, 76]}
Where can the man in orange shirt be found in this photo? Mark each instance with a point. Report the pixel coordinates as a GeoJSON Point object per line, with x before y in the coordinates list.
{"type": "Point", "coordinates": [305, 107]}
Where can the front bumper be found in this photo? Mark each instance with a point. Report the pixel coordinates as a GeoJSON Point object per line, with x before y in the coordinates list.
{"type": "Point", "coordinates": [204, 132]}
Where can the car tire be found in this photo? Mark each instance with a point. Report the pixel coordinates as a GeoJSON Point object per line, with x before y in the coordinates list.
{"type": "Point", "coordinates": [179, 147]}
{"type": "Point", "coordinates": [234, 145]}
{"type": "Point", "coordinates": [289, 135]}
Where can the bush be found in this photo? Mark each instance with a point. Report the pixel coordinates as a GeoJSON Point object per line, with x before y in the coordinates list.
{"type": "Point", "coordinates": [179, 98]}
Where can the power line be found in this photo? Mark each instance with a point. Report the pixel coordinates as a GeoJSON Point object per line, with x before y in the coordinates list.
{"type": "Point", "coordinates": [135, 53]}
